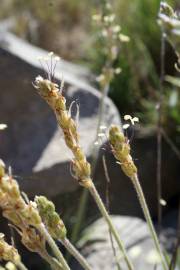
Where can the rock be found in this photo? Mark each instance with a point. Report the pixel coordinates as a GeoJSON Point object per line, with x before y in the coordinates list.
{"type": "Point", "coordinates": [96, 245]}
{"type": "Point", "coordinates": [32, 144]}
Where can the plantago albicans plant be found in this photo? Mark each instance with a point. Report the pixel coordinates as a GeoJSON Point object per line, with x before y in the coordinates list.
{"type": "Point", "coordinates": [9, 253]}
{"type": "Point", "coordinates": [25, 217]}
{"type": "Point", "coordinates": [121, 150]}
{"type": "Point", "coordinates": [57, 229]}
{"type": "Point", "coordinates": [81, 168]}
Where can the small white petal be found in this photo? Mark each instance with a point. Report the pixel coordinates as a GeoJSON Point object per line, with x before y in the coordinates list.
{"type": "Point", "coordinates": [135, 119]}
{"type": "Point", "coordinates": [3, 126]}
{"type": "Point", "coordinates": [100, 78]}
{"type": "Point", "coordinates": [104, 33]}
{"type": "Point", "coordinates": [103, 127]}
{"type": "Point", "coordinates": [125, 126]}
{"type": "Point", "coordinates": [163, 202]}
{"type": "Point", "coordinates": [124, 38]}
{"type": "Point", "coordinates": [118, 70]}
{"type": "Point", "coordinates": [57, 58]}
{"type": "Point", "coordinates": [38, 79]}
{"type": "Point", "coordinates": [101, 135]}
{"type": "Point", "coordinates": [50, 54]}
{"type": "Point", "coordinates": [116, 28]}
{"type": "Point", "coordinates": [127, 117]}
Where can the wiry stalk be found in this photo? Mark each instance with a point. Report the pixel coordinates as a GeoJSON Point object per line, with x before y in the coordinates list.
{"type": "Point", "coordinates": [21, 266]}
{"type": "Point", "coordinates": [56, 228]}
{"type": "Point", "coordinates": [75, 253]}
{"type": "Point", "coordinates": [81, 168]}
{"type": "Point", "coordinates": [106, 216]}
{"type": "Point", "coordinates": [54, 264]}
{"type": "Point", "coordinates": [54, 247]}
{"type": "Point", "coordinates": [145, 209]}
{"type": "Point", "coordinates": [121, 151]}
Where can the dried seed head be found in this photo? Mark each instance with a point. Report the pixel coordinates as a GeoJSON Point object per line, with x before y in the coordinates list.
{"type": "Point", "coordinates": [50, 92]}
{"type": "Point", "coordinates": [32, 240]}
{"type": "Point", "coordinates": [8, 252]}
{"type": "Point", "coordinates": [14, 207]}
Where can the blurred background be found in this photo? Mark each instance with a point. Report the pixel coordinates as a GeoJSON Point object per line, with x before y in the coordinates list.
{"type": "Point", "coordinates": [65, 27]}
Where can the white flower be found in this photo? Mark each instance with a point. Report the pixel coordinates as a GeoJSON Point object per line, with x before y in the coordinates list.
{"type": "Point", "coordinates": [3, 126]}
{"type": "Point", "coordinates": [100, 78]}
{"type": "Point", "coordinates": [163, 202]}
{"type": "Point", "coordinates": [103, 127]}
{"type": "Point", "coordinates": [101, 135]}
{"type": "Point", "coordinates": [116, 28]}
{"type": "Point", "coordinates": [117, 70]}
{"type": "Point", "coordinates": [124, 38]}
{"type": "Point", "coordinates": [125, 126]}
{"type": "Point", "coordinates": [131, 119]}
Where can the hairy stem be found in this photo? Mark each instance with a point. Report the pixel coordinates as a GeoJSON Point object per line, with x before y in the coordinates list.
{"type": "Point", "coordinates": [21, 266]}
{"type": "Point", "coordinates": [106, 216]}
{"type": "Point", "coordinates": [75, 253]}
{"type": "Point", "coordinates": [54, 247]}
{"type": "Point", "coordinates": [54, 264]}
{"type": "Point", "coordinates": [145, 209]}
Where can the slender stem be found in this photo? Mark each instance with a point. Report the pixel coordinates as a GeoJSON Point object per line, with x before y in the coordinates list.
{"type": "Point", "coordinates": [54, 264]}
{"type": "Point", "coordinates": [108, 181]}
{"type": "Point", "coordinates": [75, 253]}
{"type": "Point", "coordinates": [159, 135]}
{"type": "Point", "coordinates": [54, 247]}
{"type": "Point", "coordinates": [80, 215]}
{"type": "Point", "coordinates": [177, 244]}
{"type": "Point", "coordinates": [106, 216]}
{"type": "Point", "coordinates": [145, 209]}
{"type": "Point", "coordinates": [171, 143]}
{"type": "Point", "coordinates": [21, 266]}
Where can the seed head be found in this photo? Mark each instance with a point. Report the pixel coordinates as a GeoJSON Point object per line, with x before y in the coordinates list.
{"type": "Point", "coordinates": [50, 217]}
{"type": "Point", "coordinates": [121, 150]}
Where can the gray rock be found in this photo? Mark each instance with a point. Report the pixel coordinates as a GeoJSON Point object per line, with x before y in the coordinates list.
{"type": "Point", "coordinates": [33, 143]}
{"type": "Point", "coordinates": [96, 245]}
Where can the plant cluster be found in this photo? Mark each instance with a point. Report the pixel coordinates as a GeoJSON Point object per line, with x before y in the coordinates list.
{"type": "Point", "coordinates": [37, 221]}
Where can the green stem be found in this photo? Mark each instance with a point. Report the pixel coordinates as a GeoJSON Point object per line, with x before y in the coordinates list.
{"type": "Point", "coordinates": [80, 215]}
{"type": "Point", "coordinates": [21, 266]}
{"type": "Point", "coordinates": [145, 209]}
{"type": "Point", "coordinates": [75, 253]}
{"type": "Point", "coordinates": [54, 247]}
{"type": "Point", "coordinates": [54, 264]}
{"type": "Point", "coordinates": [106, 216]}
